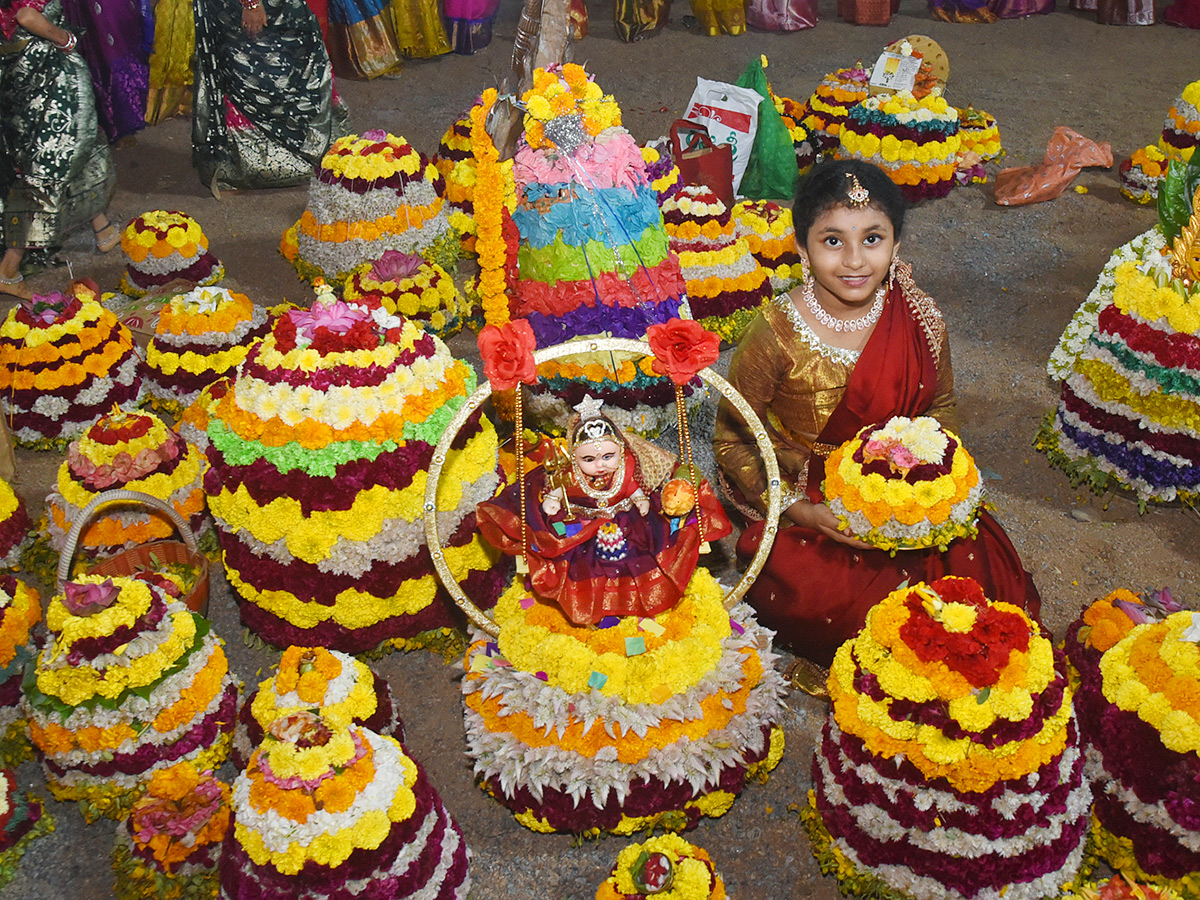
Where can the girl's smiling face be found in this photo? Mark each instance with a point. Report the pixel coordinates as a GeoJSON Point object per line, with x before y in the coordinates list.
{"type": "Point", "coordinates": [848, 253]}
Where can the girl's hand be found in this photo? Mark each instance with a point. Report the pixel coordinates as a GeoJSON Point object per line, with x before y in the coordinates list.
{"type": "Point", "coordinates": [820, 517]}
{"type": "Point", "coordinates": [254, 20]}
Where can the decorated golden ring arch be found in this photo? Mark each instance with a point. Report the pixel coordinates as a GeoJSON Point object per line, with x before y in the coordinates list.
{"type": "Point", "coordinates": [621, 345]}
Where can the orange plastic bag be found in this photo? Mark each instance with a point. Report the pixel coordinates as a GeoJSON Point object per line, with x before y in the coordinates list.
{"type": "Point", "coordinates": [1068, 153]}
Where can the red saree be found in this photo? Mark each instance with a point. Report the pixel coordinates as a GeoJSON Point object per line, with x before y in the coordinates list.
{"type": "Point", "coordinates": [569, 566]}
{"type": "Point", "coordinates": [814, 591]}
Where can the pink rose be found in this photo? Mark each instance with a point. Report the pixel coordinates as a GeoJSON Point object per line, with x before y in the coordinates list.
{"type": "Point", "coordinates": [86, 599]}
{"type": "Point", "coordinates": [903, 458]}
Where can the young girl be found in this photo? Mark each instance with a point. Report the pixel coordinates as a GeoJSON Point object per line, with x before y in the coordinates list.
{"type": "Point", "coordinates": [598, 542]}
{"type": "Point", "coordinates": [854, 345]}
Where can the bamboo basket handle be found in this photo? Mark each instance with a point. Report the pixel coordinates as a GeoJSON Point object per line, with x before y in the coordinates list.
{"type": "Point", "coordinates": [119, 495]}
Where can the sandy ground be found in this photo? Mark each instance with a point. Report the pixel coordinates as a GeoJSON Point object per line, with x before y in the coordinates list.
{"type": "Point", "coordinates": [1006, 279]}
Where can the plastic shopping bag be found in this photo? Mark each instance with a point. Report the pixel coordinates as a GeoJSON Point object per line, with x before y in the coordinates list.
{"type": "Point", "coordinates": [1068, 153]}
{"type": "Point", "coordinates": [730, 113]}
{"type": "Point", "coordinates": [772, 171]}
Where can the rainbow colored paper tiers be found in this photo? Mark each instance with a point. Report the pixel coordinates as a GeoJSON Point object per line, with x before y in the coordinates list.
{"type": "Point", "coordinates": [1129, 414]}
{"type": "Point", "coordinates": [335, 811]}
{"type": "Point", "coordinates": [14, 526]}
{"type": "Point", "coordinates": [372, 192]}
{"type": "Point", "coordinates": [319, 453]}
{"type": "Point", "coordinates": [20, 611]}
{"type": "Point", "coordinates": [136, 451]}
{"type": "Point", "coordinates": [169, 846]}
{"type": "Point", "coordinates": [634, 724]}
{"type": "Point", "coordinates": [201, 336]}
{"type": "Point", "coordinates": [904, 485]}
{"type": "Point", "coordinates": [22, 820]}
{"type": "Point", "coordinates": [1137, 662]}
{"type": "Point", "coordinates": [950, 765]}
{"type": "Point", "coordinates": [343, 688]}
{"type": "Point", "coordinates": [64, 362]}
{"type": "Point", "coordinates": [725, 283]}
{"type": "Point", "coordinates": [916, 142]}
{"type": "Point", "coordinates": [593, 256]}
{"type": "Point", "coordinates": [164, 246]}
{"type": "Point", "coordinates": [131, 682]}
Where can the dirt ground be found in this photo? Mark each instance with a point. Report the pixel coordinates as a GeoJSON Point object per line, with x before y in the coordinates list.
{"type": "Point", "coordinates": [1007, 280]}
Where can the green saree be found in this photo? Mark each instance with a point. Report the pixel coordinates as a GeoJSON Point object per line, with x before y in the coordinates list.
{"type": "Point", "coordinates": [264, 110]}
{"type": "Point", "coordinates": [56, 171]}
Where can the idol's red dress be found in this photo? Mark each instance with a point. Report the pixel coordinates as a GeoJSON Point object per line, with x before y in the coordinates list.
{"type": "Point", "coordinates": [592, 570]}
{"type": "Point", "coordinates": [815, 591]}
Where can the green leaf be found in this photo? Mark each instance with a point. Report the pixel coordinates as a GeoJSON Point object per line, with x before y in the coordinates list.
{"type": "Point", "coordinates": [982, 697]}
{"type": "Point", "coordinates": [1175, 196]}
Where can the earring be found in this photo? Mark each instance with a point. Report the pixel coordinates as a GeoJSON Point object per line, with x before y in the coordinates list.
{"type": "Point", "coordinates": [891, 279]}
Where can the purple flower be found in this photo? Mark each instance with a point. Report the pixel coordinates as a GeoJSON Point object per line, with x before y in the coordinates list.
{"type": "Point", "coordinates": [396, 266]}
{"type": "Point", "coordinates": [86, 599]}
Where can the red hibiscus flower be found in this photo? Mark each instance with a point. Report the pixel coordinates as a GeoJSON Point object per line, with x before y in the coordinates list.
{"type": "Point", "coordinates": [682, 347]}
{"type": "Point", "coordinates": [507, 352]}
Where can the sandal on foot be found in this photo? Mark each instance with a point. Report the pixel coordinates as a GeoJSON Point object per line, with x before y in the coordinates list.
{"type": "Point", "coordinates": [107, 237]}
{"type": "Point", "coordinates": [12, 287]}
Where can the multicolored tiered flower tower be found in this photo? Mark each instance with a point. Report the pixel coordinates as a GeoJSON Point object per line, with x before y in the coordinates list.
{"type": "Point", "coordinates": [64, 361]}
{"type": "Point", "coordinates": [318, 457]}
{"type": "Point", "coordinates": [131, 682]}
{"type": "Point", "coordinates": [20, 611]}
{"type": "Point", "coordinates": [950, 766]}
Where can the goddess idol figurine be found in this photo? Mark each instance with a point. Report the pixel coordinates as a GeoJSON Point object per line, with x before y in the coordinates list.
{"type": "Point", "coordinates": [607, 532]}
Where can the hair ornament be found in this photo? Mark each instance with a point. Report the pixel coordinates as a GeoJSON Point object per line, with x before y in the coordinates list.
{"type": "Point", "coordinates": [857, 196]}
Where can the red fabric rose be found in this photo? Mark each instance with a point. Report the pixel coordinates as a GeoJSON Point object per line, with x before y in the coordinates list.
{"type": "Point", "coordinates": [507, 352]}
{"type": "Point", "coordinates": [682, 347]}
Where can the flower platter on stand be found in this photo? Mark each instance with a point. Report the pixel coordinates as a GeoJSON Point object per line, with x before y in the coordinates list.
{"type": "Point", "coordinates": [318, 452]}
{"type": "Point", "coordinates": [598, 698]}
{"type": "Point", "coordinates": [950, 766]}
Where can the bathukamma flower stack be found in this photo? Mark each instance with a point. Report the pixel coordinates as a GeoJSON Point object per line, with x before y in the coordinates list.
{"type": "Point", "coordinates": [625, 726]}
{"type": "Point", "coordinates": [169, 846]}
{"type": "Point", "coordinates": [134, 451]}
{"type": "Point", "coordinates": [164, 246]}
{"type": "Point", "coordinates": [904, 485]}
{"type": "Point", "coordinates": [725, 283]}
{"type": "Point", "coordinates": [20, 610]}
{"type": "Point", "coordinates": [767, 228]}
{"type": "Point", "coordinates": [22, 820]}
{"type": "Point", "coordinates": [830, 104]}
{"type": "Point", "coordinates": [406, 285]}
{"type": "Point", "coordinates": [64, 361]}
{"type": "Point", "coordinates": [661, 171]}
{"type": "Point", "coordinates": [1137, 661]}
{"type": "Point", "coordinates": [326, 809]}
{"type": "Point", "coordinates": [131, 682]}
{"type": "Point", "coordinates": [372, 192]}
{"type": "Point", "coordinates": [319, 454]}
{"type": "Point", "coordinates": [915, 141]}
{"type": "Point", "coordinates": [950, 765]}
{"type": "Point", "coordinates": [1129, 412]}
{"type": "Point", "coordinates": [666, 866]}
{"type": "Point", "coordinates": [979, 142]}
{"type": "Point", "coordinates": [1142, 174]}
{"type": "Point", "coordinates": [201, 336]}
{"type": "Point", "coordinates": [341, 687]}
{"type": "Point", "coordinates": [14, 526]}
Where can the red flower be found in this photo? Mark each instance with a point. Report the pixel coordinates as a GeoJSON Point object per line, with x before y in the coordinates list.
{"type": "Point", "coordinates": [682, 347]}
{"type": "Point", "coordinates": [507, 352]}
{"type": "Point", "coordinates": [285, 334]}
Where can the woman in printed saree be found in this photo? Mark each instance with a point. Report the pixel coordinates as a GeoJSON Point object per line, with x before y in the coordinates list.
{"type": "Point", "coordinates": [116, 40]}
{"type": "Point", "coordinates": [265, 108]}
{"type": "Point", "coordinates": [857, 344]}
{"type": "Point", "coordinates": [56, 171]}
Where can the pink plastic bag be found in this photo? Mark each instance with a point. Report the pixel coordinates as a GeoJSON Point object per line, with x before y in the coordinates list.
{"type": "Point", "coordinates": [1068, 153]}
{"type": "Point", "coordinates": [781, 15]}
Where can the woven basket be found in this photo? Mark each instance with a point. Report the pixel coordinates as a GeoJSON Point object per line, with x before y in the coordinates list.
{"type": "Point", "coordinates": [144, 556]}
{"type": "Point", "coordinates": [871, 12]}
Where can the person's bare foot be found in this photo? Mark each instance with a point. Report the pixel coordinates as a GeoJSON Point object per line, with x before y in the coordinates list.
{"type": "Point", "coordinates": [107, 235]}
{"type": "Point", "coordinates": [14, 286]}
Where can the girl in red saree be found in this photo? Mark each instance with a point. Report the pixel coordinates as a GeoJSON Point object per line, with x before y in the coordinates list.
{"type": "Point", "coordinates": [599, 541]}
{"type": "Point", "coordinates": [855, 345]}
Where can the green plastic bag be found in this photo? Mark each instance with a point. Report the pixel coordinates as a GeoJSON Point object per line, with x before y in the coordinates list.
{"type": "Point", "coordinates": [772, 171]}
